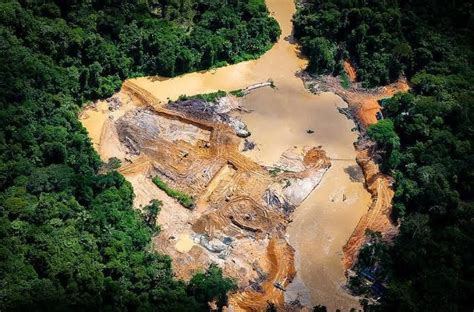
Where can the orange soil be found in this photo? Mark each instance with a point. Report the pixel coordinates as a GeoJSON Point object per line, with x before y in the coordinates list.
{"type": "Point", "coordinates": [350, 70]}
{"type": "Point", "coordinates": [369, 105]}
{"type": "Point", "coordinates": [377, 217]}
{"type": "Point", "coordinates": [364, 103]}
{"type": "Point", "coordinates": [281, 272]}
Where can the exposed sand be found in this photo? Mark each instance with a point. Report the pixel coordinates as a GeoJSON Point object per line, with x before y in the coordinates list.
{"type": "Point", "coordinates": [378, 218]}
{"type": "Point", "coordinates": [350, 71]}
{"type": "Point", "coordinates": [242, 209]}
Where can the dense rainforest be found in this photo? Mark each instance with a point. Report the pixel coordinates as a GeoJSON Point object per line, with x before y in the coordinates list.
{"type": "Point", "coordinates": [426, 141]}
{"type": "Point", "coordinates": [69, 238]}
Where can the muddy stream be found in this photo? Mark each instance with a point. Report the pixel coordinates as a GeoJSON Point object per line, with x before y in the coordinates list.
{"type": "Point", "coordinates": [280, 118]}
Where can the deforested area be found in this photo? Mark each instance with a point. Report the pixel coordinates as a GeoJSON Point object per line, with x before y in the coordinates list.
{"type": "Point", "coordinates": [222, 208]}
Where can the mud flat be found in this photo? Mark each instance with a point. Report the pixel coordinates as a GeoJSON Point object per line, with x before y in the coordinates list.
{"type": "Point", "coordinates": [244, 211]}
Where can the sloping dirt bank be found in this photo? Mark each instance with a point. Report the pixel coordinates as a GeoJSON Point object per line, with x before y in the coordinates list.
{"type": "Point", "coordinates": [324, 221]}
{"type": "Point", "coordinates": [377, 217]}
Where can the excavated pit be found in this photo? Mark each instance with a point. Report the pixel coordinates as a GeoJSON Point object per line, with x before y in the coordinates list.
{"type": "Point", "coordinates": [142, 125]}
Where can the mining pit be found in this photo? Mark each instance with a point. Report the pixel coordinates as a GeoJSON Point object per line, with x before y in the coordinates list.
{"type": "Point", "coordinates": [251, 165]}
{"type": "Point", "coordinates": [241, 208]}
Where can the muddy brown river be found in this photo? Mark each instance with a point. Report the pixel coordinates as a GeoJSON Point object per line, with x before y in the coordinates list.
{"type": "Point", "coordinates": [279, 118]}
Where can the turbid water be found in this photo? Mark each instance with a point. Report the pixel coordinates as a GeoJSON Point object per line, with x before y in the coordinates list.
{"type": "Point", "coordinates": [184, 243]}
{"type": "Point", "coordinates": [279, 118]}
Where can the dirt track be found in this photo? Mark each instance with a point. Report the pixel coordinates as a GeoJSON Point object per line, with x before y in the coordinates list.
{"type": "Point", "coordinates": [377, 217]}
{"type": "Point", "coordinates": [365, 104]}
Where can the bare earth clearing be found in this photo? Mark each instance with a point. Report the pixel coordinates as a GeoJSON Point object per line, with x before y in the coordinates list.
{"type": "Point", "coordinates": [256, 214]}
{"type": "Point", "coordinates": [242, 210]}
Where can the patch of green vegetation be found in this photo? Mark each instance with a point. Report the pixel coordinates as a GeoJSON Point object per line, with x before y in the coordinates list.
{"type": "Point", "coordinates": [345, 81]}
{"type": "Point", "coordinates": [150, 214]}
{"type": "Point", "coordinates": [208, 97]}
{"type": "Point", "coordinates": [211, 286]}
{"type": "Point", "coordinates": [185, 200]}
{"type": "Point", "coordinates": [219, 64]}
{"type": "Point", "coordinates": [211, 97]}
{"type": "Point", "coordinates": [113, 164]}
{"type": "Point", "coordinates": [275, 171]}
{"type": "Point", "coordinates": [237, 93]}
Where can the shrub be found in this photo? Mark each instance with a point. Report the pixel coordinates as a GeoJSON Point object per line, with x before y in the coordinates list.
{"type": "Point", "coordinates": [185, 200]}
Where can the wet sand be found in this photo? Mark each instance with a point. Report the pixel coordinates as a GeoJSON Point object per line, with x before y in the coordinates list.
{"type": "Point", "coordinates": [279, 119]}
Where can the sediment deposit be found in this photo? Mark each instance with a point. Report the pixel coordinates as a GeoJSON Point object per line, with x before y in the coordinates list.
{"type": "Point", "coordinates": [378, 217]}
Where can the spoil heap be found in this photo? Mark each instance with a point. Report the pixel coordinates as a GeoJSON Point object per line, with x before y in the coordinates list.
{"type": "Point", "coordinates": [377, 218]}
